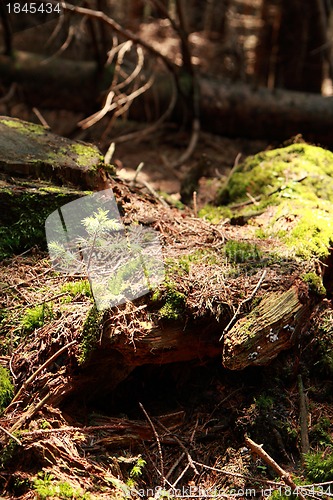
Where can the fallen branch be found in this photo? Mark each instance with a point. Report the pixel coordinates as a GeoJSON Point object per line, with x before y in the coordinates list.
{"type": "Point", "coordinates": [189, 458]}
{"type": "Point", "coordinates": [129, 35]}
{"type": "Point", "coordinates": [284, 475]}
{"type": "Point", "coordinates": [157, 441]}
{"type": "Point", "coordinates": [10, 435]}
{"type": "Point", "coordinates": [31, 411]}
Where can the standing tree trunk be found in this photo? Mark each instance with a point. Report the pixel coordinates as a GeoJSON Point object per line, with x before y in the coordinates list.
{"type": "Point", "coordinates": [292, 45]}
{"type": "Point", "coordinates": [266, 50]}
{"type": "Point", "coordinates": [300, 60]}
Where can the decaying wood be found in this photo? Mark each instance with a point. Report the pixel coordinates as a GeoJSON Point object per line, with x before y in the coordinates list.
{"type": "Point", "coordinates": [270, 327]}
{"type": "Point", "coordinates": [135, 334]}
{"type": "Point", "coordinates": [262, 310]}
{"type": "Point", "coordinates": [39, 370]}
{"type": "Point", "coordinates": [29, 150]}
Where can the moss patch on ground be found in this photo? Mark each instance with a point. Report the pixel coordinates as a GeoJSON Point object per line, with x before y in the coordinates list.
{"type": "Point", "coordinates": [297, 182]}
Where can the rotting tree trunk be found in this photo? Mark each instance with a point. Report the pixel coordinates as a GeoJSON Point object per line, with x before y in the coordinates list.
{"type": "Point", "coordinates": [31, 151]}
{"type": "Point", "coordinates": [246, 314]}
{"type": "Point", "coordinates": [39, 172]}
{"type": "Point", "coordinates": [234, 109]}
{"type": "Point", "coordinates": [270, 327]}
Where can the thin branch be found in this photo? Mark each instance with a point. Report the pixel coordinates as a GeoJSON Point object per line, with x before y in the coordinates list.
{"type": "Point", "coordinates": [304, 416]}
{"type": "Point", "coordinates": [64, 46]}
{"type": "Point", "coordinates": [109, 154]}
{"type": "Point", "coordinates": [30, 412]}
{"type": "Point", "coordinates": [191, 146]}
{"type": "Point", "coordinates": [41, 118]}
{"type": "Point", "coordinates": [183, 447]}
{"type": "Point", "coordinates": [11, 435]}
{"type": "Point", "coordinates": [58, 27]}
{"type": "Point", "coordinates": [11, 92]}
{"type": "Point", "coordinates": [91, 120]}
{"type": "Point", "coordinates": [97, 14]}
{"type": "Point", "coordinates": [148, 130]}
{"type": "Point", "coordinates": [157, 441]}
{"type": "Point", "coordinates": [284, 475]}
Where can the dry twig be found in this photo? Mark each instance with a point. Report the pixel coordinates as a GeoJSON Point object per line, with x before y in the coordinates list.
{"type": "Point", "coordinates": [304, 416]}
{"type": "Point", "coordinates": [157, 441]}
{"type": "Point", "coordinates": [284, 475]}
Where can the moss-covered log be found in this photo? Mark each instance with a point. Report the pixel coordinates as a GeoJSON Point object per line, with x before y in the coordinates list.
{"type": "Point", "coordinates": [39, 172]}
{"type": "Point", "coordinates": [29, 150]}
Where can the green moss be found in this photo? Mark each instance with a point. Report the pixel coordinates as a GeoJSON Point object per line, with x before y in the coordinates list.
{"type": "Point", "coordinates": [77, 288]}
{"type": "Point", "coordinates": [35, 317]}
{"type": "Point", "coordinates": [298, 182]}
{"type": "Point", "coordinates": [315, 284]}
{"type": "Point", "coordinates": [264, 172]}
{"type": "Point", "coordinates": [215, 214]}
{"type": "Point", "coordinates": [201, 256]}
{"type": "Point", "coordinates": [23, 217]}
{"type": "Point", "coordinates": [241, 251]}
{"type": "Point", "coordinates": [90, 333]}
{"type": "Point", "coordinates": [264, 402]}
{"type": "Point", "coordinates": [312, 233]}
{"type": "Point", "coordinates": [319, 433]}
{"type": "Point", "coordinates": [25, 127]}
{"type": "Point", "coordinates": [8, 453]}
{"type": "Point", "coordinates": [6, 389]}
{"type": "Point", "coordinates": [86, 155]}
{"type": "Point", "coordinates": [173, 309]}
{"type": "Point", "coordinates": [322, 344]}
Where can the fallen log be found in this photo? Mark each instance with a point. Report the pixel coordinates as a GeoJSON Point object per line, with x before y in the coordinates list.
{"type": "Point", "coordinates": [229, 108]}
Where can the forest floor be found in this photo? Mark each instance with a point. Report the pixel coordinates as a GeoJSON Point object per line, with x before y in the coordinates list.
{"type": "Point", "coordinates": [187, 439]}
{"type": "Point", "coordinates": [188, 436]}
